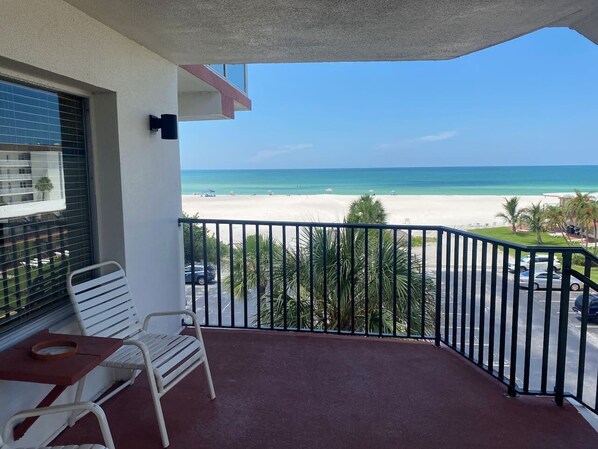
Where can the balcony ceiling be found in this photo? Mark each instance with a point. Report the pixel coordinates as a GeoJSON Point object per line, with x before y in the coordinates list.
{"type": "Point", "coordinates": [251, 31]}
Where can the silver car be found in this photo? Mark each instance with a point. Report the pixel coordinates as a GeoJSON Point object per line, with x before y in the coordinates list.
{"type": "Point", "coordinates": [540, 280]}
{"type": "Point", "coordinates": [540, 263]}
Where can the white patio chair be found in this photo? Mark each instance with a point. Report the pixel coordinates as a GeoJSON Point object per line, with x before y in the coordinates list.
{"type": "Point", "coordinates": [104, 307]}
{"type": "Point", "coordinates": [69, 408]}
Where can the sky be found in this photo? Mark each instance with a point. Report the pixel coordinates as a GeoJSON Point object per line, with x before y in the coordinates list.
{"type": "Point", "coordinates": [529, 101]}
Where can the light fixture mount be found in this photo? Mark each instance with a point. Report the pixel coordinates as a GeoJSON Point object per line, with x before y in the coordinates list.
{"type": "Point", "coordinates": [168, 125]}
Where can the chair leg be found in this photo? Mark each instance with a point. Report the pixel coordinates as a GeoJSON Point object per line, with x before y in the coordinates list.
{"type": "Point", "coordinates": [158, 408]}
{"type": "Point", "coordinates": [73, 416]}
{"type": "Point", "coordinates": [206, 367]}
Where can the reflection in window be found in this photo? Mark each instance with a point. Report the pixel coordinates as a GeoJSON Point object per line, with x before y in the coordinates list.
{"type": "Point", "coordinates": [44, 201]}
{"type": "Point", "coordinates": [234, 73]}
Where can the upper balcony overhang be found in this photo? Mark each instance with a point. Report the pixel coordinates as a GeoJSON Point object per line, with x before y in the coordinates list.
{"type": "Point", "coordinates": [208, 32]}
{"type": "Point", "coordinates": [205, 95]}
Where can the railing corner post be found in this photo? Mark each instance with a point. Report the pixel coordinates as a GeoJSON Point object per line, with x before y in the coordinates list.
{"type": "Point", "coordinates": [438, 288]}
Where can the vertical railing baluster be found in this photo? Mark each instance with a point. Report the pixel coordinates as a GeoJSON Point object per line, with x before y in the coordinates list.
{"type": "Point", "coordinates": [366, 281]}
{"type": "Point", "coordinates": [231, 249]}
{"type": "Point", "coordinates": [438, 298]}
{"type": "Point", "coordinates": [15, 267]}
{"type": "Point", "coordinates": [271, 278]}
{"type": "Point", "coordinates": [338, 279]}
{"type": "Point", "coordinates": [472, 297]}
{"type": "Point", "coordinates": [423, 287]}
{"type": "Point", "coordinates": [218, 275]}
{"type": "Point", "coordinates": [298, 279]}
{"type": "Point", "coordinates": [409, 281]}
{"type": "Point", "coordinates": [284, 277]}
{"type": "Point", "coordinates": [394, 282]}
{"type": "Point", "coordinates": [325, 268]}
{"type": "Point", "coordinates": [192, 255]}
{"type": "Point", "coordinates": [245, 308]}
{"type": "Point", "coordinates": [464, 269]}
{"type": "Point", "coordinates": [503, 313]}
{"type": "Point", "coordinates": [455, 290]}
{"type": "Point", "coordinates": [482, 309]}
{"type": "Point", "coordinates": [4, 260]}
{"type": "Point", "coordinates": [447, 287]}
{"type": "Point", "coordinates": [205, 272]}
{"type": "Point", "coordinates": [258, 277]}
{"type": "Point", "coordinates": [492, 317]}
{"type": "Point", "coordinates": [352, 280]}
{"type": "Point", "coordinates": [380, 280]}
{"type": "Point", "coordinates": [26, 230]}
{"type": "Point", "coordinates": [311, 276]}
{"type": "Point", "coordinates": [38, 247]}
{"type": "Point", "coordinates": [512, 390]}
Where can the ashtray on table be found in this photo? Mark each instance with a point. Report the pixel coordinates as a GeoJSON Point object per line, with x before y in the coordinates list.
{"type": "Point", "coordinates": [54, 349]}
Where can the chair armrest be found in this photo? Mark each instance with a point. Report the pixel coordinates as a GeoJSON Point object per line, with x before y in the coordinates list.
{"type": "Point", "coordinates": [85, 406]}
{"type": "Point", "coordinates": [193, 316]}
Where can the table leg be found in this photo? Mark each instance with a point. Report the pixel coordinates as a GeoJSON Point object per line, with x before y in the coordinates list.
{"type": "Point", "coordinates": [24, 426]}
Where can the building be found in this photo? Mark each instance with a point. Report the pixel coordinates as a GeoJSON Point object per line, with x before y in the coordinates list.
{"type": "Point", "coordinates": [79, 80]}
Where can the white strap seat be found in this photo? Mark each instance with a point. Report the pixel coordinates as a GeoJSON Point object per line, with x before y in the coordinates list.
{"type": "Point", "coordinates": [169, 354]}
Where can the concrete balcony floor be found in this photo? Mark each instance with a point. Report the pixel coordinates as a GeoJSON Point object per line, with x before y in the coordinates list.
{"type": "Point", "coordinates": [283, 389]}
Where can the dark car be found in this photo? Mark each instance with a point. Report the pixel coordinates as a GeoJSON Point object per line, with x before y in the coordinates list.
{"type": "Point", "coordinates": [202, 275]}
{"type": "Point", "coordinates": [592, 306]}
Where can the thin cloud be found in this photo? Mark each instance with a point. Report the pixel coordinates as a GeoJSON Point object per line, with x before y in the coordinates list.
{"type": "Point", "coordinates": [283, 149]}
{"type": "Point", "coordinates": [445, 135]}
{"type": "Point", "coordinates": [437, 137]}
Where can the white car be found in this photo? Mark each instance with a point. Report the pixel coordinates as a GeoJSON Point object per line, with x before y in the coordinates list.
{"type": "Point", "coordinates": [541, 263]}
{"type": "Point", "coordinates": [540, 280]}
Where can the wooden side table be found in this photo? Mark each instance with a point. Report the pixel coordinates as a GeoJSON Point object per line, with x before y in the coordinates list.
{"type": "Point", "coordinates": [16, 364]}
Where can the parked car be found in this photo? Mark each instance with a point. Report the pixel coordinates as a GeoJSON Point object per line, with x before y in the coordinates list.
{"type": "Point", "coordinates": [592, 306]}
{"type": "Point", "coordinates": [202, 275]}
{"type": "Point", "coordinates": [540, 280]}
{"type": "Point", "coordinates": [541, 263]}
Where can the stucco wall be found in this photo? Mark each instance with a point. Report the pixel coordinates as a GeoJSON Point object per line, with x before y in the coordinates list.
{"type": "Point", "coordinates": [136, 175]}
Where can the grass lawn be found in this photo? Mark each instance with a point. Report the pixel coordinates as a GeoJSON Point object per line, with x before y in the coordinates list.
{"type": "Point", "coordinates": [521, 237]}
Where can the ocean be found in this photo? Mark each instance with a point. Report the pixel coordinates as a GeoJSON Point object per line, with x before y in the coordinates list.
{"type": "Point", "coordinates": [389, 181]}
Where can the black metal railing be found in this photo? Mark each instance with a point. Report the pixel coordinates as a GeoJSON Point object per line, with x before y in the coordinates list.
{"type": "Point", "coordinates": [507, 308]}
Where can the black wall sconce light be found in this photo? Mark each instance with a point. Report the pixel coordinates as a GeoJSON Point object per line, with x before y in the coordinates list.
{"type": "Point", "coordinates": [168, 125]}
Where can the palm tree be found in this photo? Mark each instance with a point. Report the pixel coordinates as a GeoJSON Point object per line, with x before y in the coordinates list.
{"type": "Point", "coordinates": [366, 209]}
{"type": "Point", "coordinates": [511, 212]}
{"type": "Point", "coordinates": [344, 278]}
{"type": "Point", "coordinates": [535, 218]}
{"type": "Point", "coordinates": [43, 185]}
{"type": "Point", "coordinates": [557, 219]}
{"type": "Point", "coordinates": [583, 212]}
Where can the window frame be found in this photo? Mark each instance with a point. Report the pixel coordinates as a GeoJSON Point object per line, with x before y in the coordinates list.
{"type": "Point", "coordinates": [62, 315]}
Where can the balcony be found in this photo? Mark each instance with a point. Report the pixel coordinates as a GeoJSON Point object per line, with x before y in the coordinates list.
{"type": "Point", "coordinates": [338, 335]}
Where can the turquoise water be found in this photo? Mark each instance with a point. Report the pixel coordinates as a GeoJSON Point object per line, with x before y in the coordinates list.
{"type": "Point", "coordinates": [385, 181]}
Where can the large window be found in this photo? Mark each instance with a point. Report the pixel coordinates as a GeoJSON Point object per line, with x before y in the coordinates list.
{"type": "Point", "coordinates": [45, 229]}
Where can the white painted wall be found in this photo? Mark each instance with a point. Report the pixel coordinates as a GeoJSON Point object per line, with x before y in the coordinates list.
{"type": "Point", "coordinates": [136, 176]}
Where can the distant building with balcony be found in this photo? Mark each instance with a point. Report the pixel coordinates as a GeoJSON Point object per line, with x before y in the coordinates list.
{"type": "Point", "coordinates": [21, 191]}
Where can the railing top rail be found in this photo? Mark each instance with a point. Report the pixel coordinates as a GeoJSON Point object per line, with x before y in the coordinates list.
{"type": "Point", "coordinates": [309, 223]}
{"type": "Point", "coordinates": [482, 238]}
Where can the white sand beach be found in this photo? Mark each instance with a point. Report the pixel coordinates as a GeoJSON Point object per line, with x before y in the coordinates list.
{"type": "Point", "coordinates": [460, 211]}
